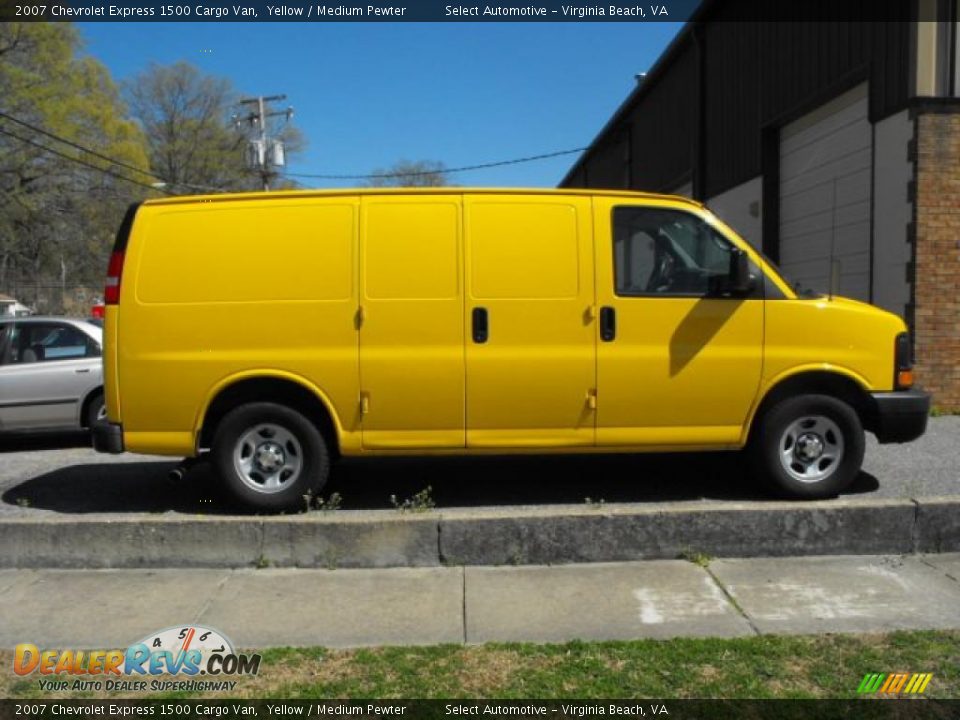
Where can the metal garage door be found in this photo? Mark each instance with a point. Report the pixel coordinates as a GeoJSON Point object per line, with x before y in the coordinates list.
{"type": "Point", "coordinates": [825, 175]}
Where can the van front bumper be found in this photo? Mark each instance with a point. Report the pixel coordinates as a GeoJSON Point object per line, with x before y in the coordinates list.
{"type": "Point", "coordinates": [108, 438]}
{"type": "Point", "coordinates": [901, 416]}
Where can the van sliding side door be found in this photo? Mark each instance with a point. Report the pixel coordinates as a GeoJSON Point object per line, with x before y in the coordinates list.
{"type": "Point", "coordinates": [411, 322]}
{"type": "Point", "coordinates": [531, 373]}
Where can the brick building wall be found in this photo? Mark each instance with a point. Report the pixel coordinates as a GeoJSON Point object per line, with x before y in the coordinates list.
{"type": "Point", "coordinates": [936, 311]}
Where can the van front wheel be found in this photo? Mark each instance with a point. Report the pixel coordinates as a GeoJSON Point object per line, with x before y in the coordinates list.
{"type": "Point", "coordinates": [269, 456]}
{"type": "Point", "coordinates": [809, 446]}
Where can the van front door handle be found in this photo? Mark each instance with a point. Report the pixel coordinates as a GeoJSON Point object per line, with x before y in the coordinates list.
{"type": "Point", "coordinates": [608, 324]}
{"type": "Point", "coordinates": [481, 329]}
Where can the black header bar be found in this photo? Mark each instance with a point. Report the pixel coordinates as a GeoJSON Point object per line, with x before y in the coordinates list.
{"type": "Point", "coordinates": [464, 11]}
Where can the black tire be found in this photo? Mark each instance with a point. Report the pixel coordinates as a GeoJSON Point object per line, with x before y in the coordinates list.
{"type": "Point", "coordinates": [96, 409]}
{"type": "Point", "coordinates": [800, 425]}
{"type": "Point", "coordinates": [270, 431]}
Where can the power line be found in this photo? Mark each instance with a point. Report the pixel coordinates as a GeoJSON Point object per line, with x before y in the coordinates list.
{"type": "Point", "coordinates": [106, 171]}
{"type": "Point", "coordinates": [97, 154]}
{"type": "Point", "coordinates": [368, 176]}
{"type": "Point", "coordinates": [75, 145]}
{"type": "Point", "coordinates": [465, 168]}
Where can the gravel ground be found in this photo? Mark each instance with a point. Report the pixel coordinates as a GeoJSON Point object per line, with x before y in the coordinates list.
{"type": "Point", "coordinates": [60, 474]}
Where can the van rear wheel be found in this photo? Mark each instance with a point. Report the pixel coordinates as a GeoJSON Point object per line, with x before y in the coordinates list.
{"type": "Point", "coordinates": [809, 446]}
{"type": "Point", "coordinates": [269, 456]}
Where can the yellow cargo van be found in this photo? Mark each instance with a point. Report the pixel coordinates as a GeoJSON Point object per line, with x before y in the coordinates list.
{"type": "Point", "coordinates": [277, 332]}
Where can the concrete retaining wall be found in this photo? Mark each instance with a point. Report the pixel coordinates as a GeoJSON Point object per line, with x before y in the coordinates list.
{"type": "Point", "coordinates": [504, 536]}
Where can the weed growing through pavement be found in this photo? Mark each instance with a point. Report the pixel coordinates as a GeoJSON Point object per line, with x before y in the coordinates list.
{"type": "Point", "coordinates": [696, 557]}
{"type": "Point", "coordinates": [317, 502]}
{"type": "Point", "coordinates": [937, 411]}
{"type": "Point", "coordinates": [328, 504]}
{"type": "Point", "coordinates": [420, 502]}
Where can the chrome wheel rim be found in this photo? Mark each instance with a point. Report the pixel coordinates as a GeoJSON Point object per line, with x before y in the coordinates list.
{"type": "Point", "coordinates": [102, 413]}
{"type": "Point", "coordinates": [268, 458]}
{"type": "Point", "coordinates": [811, 448]}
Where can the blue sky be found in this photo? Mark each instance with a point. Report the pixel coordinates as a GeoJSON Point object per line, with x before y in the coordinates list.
{"type": "Point", "coordinates": [369, 94]}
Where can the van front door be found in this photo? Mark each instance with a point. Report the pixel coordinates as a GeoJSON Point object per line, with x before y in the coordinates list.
{"type": "Point", "coordinates": [678, 358]}
{"type": "Point", "coordinates": [531, 355]}
{"type": "Point", "coordinates": [411, 322]}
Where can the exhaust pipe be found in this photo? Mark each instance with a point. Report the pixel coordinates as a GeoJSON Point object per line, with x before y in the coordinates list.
{"type": "Point", "coordinates": [180, 471]}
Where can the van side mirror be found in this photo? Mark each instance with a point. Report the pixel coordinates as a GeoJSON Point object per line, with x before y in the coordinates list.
{"type": "Point", "coordinates": [739, 280]}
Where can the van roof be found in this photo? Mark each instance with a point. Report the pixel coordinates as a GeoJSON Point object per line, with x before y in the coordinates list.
{"type": "Point", "coordinates": [448, 190]}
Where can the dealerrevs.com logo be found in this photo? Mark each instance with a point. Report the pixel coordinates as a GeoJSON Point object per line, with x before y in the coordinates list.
{"type": "Point", "coordinates": [187, 650]}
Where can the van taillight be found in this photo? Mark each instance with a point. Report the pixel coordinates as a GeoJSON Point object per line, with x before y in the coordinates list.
{"type": "Point", "coordinates": [111, 293]}
{"type": "Point", "coordinates": [903, 362]}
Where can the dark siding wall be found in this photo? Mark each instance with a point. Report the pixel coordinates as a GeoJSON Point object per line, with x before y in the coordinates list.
{"type": "Point", "coordinates": [758, 75]}
{"type": "Point", "coordinates": [579, 178]}
{"type": "Point", "coordinates": [734, 103]}
{"type": "Point", "coordinates": [608, 162]}
{"type": "Point", "coordinates": [650, 149]}
{"type": "Point", "coordinates": [664, 127]}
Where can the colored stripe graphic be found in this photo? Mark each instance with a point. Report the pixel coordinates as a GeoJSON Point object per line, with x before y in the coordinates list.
{"type": "Point", "coordinates": [871, 682]}
{"type": "Point", "coordinates": [895, 683]}
{"type": "Point", "coordinates": [922, 682]}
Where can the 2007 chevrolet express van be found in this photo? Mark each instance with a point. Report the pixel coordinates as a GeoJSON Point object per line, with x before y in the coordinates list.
{"type": "Point", "coordinates": [282, 330]}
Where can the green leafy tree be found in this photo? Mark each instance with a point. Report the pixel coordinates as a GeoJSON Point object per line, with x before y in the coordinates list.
{"type": "Point", "coordinates": [58, 216]}
{"type": "Point", "coordinates": [406, 173]}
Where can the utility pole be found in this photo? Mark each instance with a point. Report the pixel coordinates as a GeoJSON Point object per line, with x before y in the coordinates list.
{"type": "Point", "coordinates": [264, 153]}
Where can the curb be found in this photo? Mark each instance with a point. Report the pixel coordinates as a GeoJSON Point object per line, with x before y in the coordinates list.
{"type": "Point", "coordinates": [503, 536]}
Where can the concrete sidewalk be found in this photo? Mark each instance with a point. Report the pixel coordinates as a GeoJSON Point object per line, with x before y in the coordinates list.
{"type": "Point", "coordinates": [413, 606]}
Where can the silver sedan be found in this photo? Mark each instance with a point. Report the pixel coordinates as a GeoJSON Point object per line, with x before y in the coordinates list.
{"type": "Point", "coordinates": [51, 374]}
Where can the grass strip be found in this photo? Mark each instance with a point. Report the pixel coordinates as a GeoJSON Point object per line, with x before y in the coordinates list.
{"type": "Point", "coordinates": [768, 666]}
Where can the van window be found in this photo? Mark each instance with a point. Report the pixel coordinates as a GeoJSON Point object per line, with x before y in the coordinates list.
{"type": "Point", "coordinates": [411, 250]}
{"type": "Point", "coordinates": [666, 252]}
{"type": "Point", "coordinates": [524, 250]}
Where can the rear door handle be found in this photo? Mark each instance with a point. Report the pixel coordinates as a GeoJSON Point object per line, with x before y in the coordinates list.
{"type": "Point", "coordinates": [82, 370]}
{"type": "Point", "coordinates": [481, 326]}
{"type": "Point", "coordinates": [608, 324]}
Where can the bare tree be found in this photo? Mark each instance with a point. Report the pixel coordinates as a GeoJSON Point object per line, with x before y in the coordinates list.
{"type": "Point", "coordinates": [186, 117]}
{"type": "Point", "coordinates": [406, 173]}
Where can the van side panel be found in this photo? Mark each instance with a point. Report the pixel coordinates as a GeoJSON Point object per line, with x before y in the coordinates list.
{"type": "Point", "coordinates": [411, 335]}
{"type": "Point", "coordinates": [214, 290]}
{"type": "Point", "coordinates": [532, 381]}
{"type": "Point", "coordinates": [840, 335]}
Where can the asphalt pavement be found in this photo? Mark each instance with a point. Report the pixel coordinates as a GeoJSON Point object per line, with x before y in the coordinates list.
{"type": "Point", "coordinates": [59, 474]}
